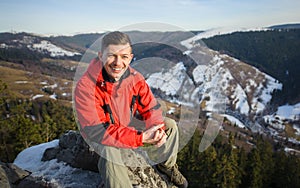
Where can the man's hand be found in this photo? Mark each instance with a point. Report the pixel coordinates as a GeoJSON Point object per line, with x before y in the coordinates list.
{"type": "Point", "coordinates": [155, 135]}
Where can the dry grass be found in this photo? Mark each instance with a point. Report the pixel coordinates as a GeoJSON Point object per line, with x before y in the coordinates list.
{"type": "Point", "coordinates": [28, 84]}
{"type": "Point", "coordinates": [63, 63]}
{"type": "Point", "coordinates": [290, 131]}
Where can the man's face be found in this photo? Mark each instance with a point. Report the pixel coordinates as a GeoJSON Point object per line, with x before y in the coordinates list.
{"type": "Point", "coordinates": [116, 59]}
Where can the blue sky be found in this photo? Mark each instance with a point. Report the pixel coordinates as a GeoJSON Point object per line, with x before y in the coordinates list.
{"type": "Point", "coordinates": [64, 17]}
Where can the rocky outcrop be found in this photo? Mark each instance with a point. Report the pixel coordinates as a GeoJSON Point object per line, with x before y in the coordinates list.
{"type": "Point", "coordinates": [74, 151]}
{"type": "Point", "coordinates": [70, 162]}
{"type": "Point", "coordinates": [11, 176]}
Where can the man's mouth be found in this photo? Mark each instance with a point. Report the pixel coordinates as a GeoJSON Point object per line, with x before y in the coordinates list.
{"type": "Point", "coordinates": [117, 69]}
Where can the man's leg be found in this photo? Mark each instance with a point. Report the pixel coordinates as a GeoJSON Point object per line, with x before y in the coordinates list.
{"type": "Point", "coordinates": [112, 169]}
{"type": "Point", "coordinates": [170, 150]}
{"type": "Point", "coordinates": [167, 153]}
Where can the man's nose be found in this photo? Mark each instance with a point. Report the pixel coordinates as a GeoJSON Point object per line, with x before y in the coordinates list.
{"type": "Point", "coordinates": [118, 60]}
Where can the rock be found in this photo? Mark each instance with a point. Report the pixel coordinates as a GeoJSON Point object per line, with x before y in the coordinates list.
{"type": "Point", "coordinates": [11, 176]}
{"type": "Point", "coordinates": [35, 182]}
{"type": "Point", "coordinates": [4, 181]}
{"type": "Point", "coordinates": [141, 173]}
{"type": "Point", "coordinates": [73, 150]}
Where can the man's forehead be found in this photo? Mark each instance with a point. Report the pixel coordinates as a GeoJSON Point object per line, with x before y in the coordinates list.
{"type": "Point", "coordinates": [120, 48]}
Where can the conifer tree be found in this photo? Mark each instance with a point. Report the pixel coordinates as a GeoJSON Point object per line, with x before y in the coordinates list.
{"type": "Point", "coordinates": [266, 156]}
{"type": "Point", "coordinates": [27, 133]}
{"type": "Point", "coordinates": [207, 167]}
{"type": "Point", "coordinates": [255, 169]}
{"type": "Point", "coordinates": [228, 170]}
{"type": "Point", "coordinates": [48, 129]}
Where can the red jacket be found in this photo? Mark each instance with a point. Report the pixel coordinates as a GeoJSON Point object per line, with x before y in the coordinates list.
{"type": "Point", "coordinates": [105, 108]}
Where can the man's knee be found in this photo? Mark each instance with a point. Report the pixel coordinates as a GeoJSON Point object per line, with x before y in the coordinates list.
{"type": "Point", "coordinates": [171, 127]}
{"type": "Point", "coordinates": [170, 123]}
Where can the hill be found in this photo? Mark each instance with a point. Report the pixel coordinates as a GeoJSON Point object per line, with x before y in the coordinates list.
{"type": "Point", "coordinates": [286, 26]}
{"type": "Point", "coordinates": [275, 52]}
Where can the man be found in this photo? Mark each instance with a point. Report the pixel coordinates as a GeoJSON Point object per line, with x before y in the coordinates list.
{"type": "Point", "coordinates": [107, 97]}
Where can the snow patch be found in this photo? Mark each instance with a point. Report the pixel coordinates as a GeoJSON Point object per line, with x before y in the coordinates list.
{"type": "Point", "coordinates": [54, 50]}
{"type": "Point", "coordinates": [21, 82]}
{"type": "Point", "coordinates": [169, 82]}
{"type": "Point", "coordinates": [53, 96]}
{"type": "Point", "coordinates": [37, 96]}
{"type": "Point", "coordinates": [284, 113]}
{"type": "Point", "coordinates": [234, 120]}
{"type": "Point", "coordinates": [171, 110]}
{"type": "Point", "coordinates": [30, 158]}
{"type": "Point", "coordinates": [51, 86]}
{"type": "Point", "coordinates": [58, 173]}
{"type": "Point", "coordinates": [291, 150]}
{"type": "Point", "coordinates": [44, 83]}
{"type": "Point", "coordinates": [291, 112]}
{"type": "Point", "coordinates": [297, 129]}
{"type": "Point", "coordinates": [192, 42]}
{"type": "Point", "coordinates": [199, 73]}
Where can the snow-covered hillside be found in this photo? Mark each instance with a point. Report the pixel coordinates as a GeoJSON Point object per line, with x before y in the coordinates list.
{"type": "Point", "coordinates": [191, 42]}
{"type": "Point", "coordinates": [286, 114]}
{"type": "Point", "coordinates": [225, 85]}
{"type": "Point", "coordinates": [37, 44]}
{"type": "Point", "coordinates": [51, 48]}
{"type": "Point", "coordinates": [247, 89]}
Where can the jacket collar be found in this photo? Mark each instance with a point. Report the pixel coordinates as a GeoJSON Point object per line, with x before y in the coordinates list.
{"type": "Point", "coordinates": [109, 79]}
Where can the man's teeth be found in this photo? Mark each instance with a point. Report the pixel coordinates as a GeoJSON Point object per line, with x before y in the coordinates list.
{"type": "Point", "coordinates": [117, 69]}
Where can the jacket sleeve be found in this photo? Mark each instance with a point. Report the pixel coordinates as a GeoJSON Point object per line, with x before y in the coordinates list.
{"type": "Point", "coordinates": [148, 107]}
{"type": "Point", "coordinates": [93, 121]}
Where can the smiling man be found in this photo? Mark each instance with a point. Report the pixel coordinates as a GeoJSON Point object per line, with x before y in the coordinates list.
{"type": "Point", "coordinates": [116, 59]}
{"type": "Point", "coordinates": [107, 98]}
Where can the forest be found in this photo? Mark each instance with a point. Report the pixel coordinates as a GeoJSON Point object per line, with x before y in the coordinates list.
{"type": "Point", "coordinates": [25, 123]}
{"type": "Point", "coordinates": [225, 165]}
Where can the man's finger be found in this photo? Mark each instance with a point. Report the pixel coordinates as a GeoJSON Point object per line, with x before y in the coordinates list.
{"type": "Point", "coordinates": [161, 141]}
{"type": "Point", "coordinates": [158, 135]}
{"type": "Point", "coordinates": [155, 136]}
{"type": "Point", "coordinates": [156, 127]}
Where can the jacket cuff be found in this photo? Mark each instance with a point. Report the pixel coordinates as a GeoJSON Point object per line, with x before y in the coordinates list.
{"type": "Point", "coordinates": [139, 138]}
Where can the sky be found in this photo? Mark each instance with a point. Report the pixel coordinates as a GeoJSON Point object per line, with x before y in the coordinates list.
{"type": "Point", "coordinates": [68, 17]}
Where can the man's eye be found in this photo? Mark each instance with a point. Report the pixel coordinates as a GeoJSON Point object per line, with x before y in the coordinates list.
{"type": "Point", "coordinates": [125, 57]}
{"type": "Point", "coordinates": [110, 56]}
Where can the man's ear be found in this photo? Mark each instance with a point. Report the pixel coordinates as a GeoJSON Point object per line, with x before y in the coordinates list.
{"type": "Point", "coordinates": [131, 56]}
{"type": "Point", "coordinates": [100, 55]}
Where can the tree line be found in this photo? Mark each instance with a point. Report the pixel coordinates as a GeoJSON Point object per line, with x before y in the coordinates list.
{"type": "Point", "coordinates": [24, 122]}
{"type": "Point", "coordinates": [226, 165]}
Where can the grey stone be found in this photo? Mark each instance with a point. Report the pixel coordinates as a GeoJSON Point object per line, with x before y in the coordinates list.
{"type": "Point", "coordinates": [73, 150]}
{"type": "Point", "coordinates": [11, 174]}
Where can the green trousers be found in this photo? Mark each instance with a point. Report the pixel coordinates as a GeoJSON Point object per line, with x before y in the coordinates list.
{"type": "Point", "coordinates": [111, 165]}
